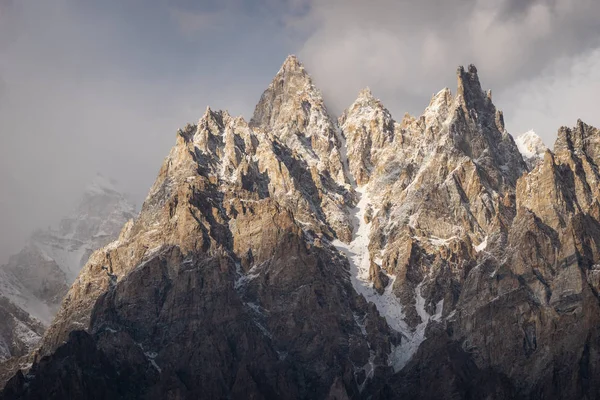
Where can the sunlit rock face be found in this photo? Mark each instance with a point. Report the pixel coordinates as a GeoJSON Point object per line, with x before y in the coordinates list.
{"type": "Point", "coordinates": [300, 256]}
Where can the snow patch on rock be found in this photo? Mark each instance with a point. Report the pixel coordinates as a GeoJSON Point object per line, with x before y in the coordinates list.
{"type": "Point", "coordinates": [482, 246]}
{"type": "Point", "coordinates": [357, 252]}
{"type": "Point", "coordinates": [388, 305]}
{"type": "Point", "coordinates": [531, 147]}
{"type": "Point", "coordinates": [402, 354]}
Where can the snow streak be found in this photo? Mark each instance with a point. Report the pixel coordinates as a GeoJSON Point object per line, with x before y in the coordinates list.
{"type": "Point", "coordinates": [388, 305]}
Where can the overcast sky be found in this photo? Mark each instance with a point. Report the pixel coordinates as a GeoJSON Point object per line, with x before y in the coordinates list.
{"type": "Point", "coordinates": [102, 86]}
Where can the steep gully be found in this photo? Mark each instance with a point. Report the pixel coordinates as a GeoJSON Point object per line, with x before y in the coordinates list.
{"type": "Point", "coordinates": [388, 305]}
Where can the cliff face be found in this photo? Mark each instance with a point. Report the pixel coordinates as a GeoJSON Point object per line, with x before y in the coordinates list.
{"type": "Point", "coordinates": [300, 257]}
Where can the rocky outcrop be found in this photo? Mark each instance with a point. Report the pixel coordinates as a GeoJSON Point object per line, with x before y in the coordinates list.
{"type": "Point", "coordinates": [368, 128]}
{"type": "Point", "coordinates": [293, 113]}
{"type": "Point", "coordinates": [293, 110]}
{"type": "Point", "coordinates": [291, 257]}
{"type": "Point", "coordinates": [544, 278]}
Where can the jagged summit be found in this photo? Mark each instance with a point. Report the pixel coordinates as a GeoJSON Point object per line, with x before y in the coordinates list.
{"type": "Point", "coordinates": [583, 139]}
{"type": "Point", "coordinates": [291, 83]}
{"type": "Point", "coordinates": [207, 112]}
{"type": "Point", "coordinates": [291, 63]}
{"type": "Point", "coordinates": [367, 260]}
{"type": "Point", "coordinates": [366, 94]}
{"type": "Point", "coordinates": [532, 148]}
{"type": "Point", "coordinates": [209, 129]}
{"type": "Point", "coordinates": [467, 79]}
{"type": "Point", "coordinates": [469, 91]}
{"type": "Point", "coordinates": [440, 107]}
{"type": "Point", "coordinates": [475, 101]}
{"type": "Point", "coordinates": [365, 102]}
{"type": "Point", "coordinates": [445, 92]}
{"type": "Point", "coordinates": [367, 127]}
{"type": "Point", "coordinates": [293, 110]}
{"type": "Point", "coordinates": [365, 98]}
{"type": "Point", "coordinates": [210, 114]}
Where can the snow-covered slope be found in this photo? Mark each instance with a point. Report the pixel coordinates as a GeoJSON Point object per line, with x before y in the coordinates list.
{"type": "Point", "coordinates": [14, 290]}
{"type": "Point", "coordinates": [19, 332]}
{"type": "Point", "coordinates": [532, 148]}
{"type": "Point", "coordinates": [387, 303]}
{"type": "Point", "coordinates": [35, 280]}
{"type": "Point", "coordinates": [99, 217]}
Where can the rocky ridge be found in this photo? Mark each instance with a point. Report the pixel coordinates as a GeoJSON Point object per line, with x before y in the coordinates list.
{"type": "Point", "coordinates": [300, 257]}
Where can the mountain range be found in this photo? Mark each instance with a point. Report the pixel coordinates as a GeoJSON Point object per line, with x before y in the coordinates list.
{"type": "Point", "coordinates": [298, 256]}
{"type": "Point", "coordinates": [34, 281]}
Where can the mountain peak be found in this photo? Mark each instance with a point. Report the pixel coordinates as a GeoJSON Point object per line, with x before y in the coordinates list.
{"type": "Point", "coordinates": [368, 128]}
{"type": "Point", "coordinates": [444, 96]}
{"type": "Point", "coordinates": [292, 63]}
{"type": "Point", "coordinates": [364, 104]}
{"type": "Point", "coordinates": [292, 70]}
{"type": "Point", "coordinates": [532, 148]}
{"type": "Point", "coordinates": [581, 139]}
{"type": "Point", "coordinates": [209, 129]}
{"type": "Point", "coordinates": [289, 84]}
{"type": "Point", "coordinates": [364, 99]}
{"type": "Point", "coordinates": [584, 129]}
{"type": "Point", "coordinates": [471, 71]}
{"type": "Point", "coordinates": [293, 110]}
{"type": "Point", "coordinates": [469, 87]}
{"type": "Point", "coordinates": [212, 115]}
{"type": "Point", "coordinates": [366, 94]}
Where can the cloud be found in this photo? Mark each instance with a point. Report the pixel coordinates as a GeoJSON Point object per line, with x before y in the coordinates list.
{"type": "Point", "coordinates": [566, 90]}
{"type": "Point", "coordinates": [191, 23]}
{"type": "Point", "coordinates": [81, 92]}
{"type": "Point", "coordinates": [90, 87]}
{"type": "Point", "coordinates": [102, 87]}
{"type": "Point", "coordinates": [226, 15]}
{"type": "Point", "coordinates": [405, 51]}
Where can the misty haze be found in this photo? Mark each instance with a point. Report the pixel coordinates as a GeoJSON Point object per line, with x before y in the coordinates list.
{"type": "Point", "coordinates": [331, 199]}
